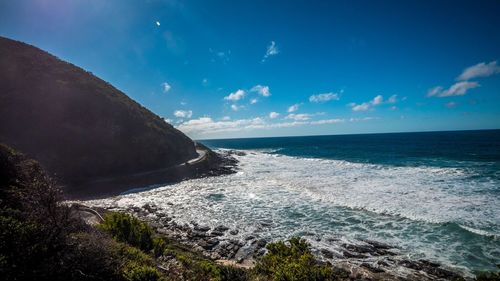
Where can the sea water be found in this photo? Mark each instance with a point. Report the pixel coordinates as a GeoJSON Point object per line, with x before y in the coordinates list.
{"type": "Point", "coordinates": [434, 195]}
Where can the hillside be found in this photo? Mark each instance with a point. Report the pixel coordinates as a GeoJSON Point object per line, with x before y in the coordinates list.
{"type": "Point", "coordinates": [79, 127]}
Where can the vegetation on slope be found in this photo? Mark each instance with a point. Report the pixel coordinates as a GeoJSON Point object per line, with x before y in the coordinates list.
{"type": "Point", "coordinates": [292, 260]}
{"type": "Point", "coordinates": [79, 127]}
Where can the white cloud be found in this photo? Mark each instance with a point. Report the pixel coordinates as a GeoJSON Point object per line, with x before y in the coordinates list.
{"type": "Point", "coordinates": [479, 70]}
{"type": "Point", "coordinates": [183, 113]}
{"type": "Point", "coordinates": [393, 99]}
{"type": "Point", "coordinates": [157, 23]}
{"type": "Point", "coordinates": [253, 101]}
{"type": "Point", "coordinates": [293, 108]}
{"type": "Point", "coordinates": [235, 96]}
{"type": "Point", "coordinates": [360, 107]}
{"type": "Point", "coordinates": [226, 118]}
{"type": "Point", "coordinates": [463, 85]}
{"type": "Point", "coordinates": [272, 50]}
{"type": "Point", "coordinates": [327, 121]}
{"type": "Point", "coordinates": [204, 82]}
{"type": "Point", "coordinates": [324, 97]}
{"type": "Point", "coordinates": [206, 126]}
{"type": "Point", "coordinates": [261, 90]}
{"type": "Point", "coordinates": [457, 89]}
{"type": "Point", "coordinates": [393, 108]}
{"type": "Point", "coordinates": [273, 115]}
{"type": "Point", "coordinates": [235, 107]}
{"type": "Point", "coordinates": [377, 100]}
{"type": "Point", "coordinates": [298, 117]}
{"type": "Point", "coordinates": [363, 119]}
{"type": "Point", "coordinates": [166, 87]}
{"type": "Point", "coordinates": [434, 91]}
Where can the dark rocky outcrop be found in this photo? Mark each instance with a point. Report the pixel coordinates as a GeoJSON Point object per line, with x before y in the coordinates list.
{"type": "Point", "coordinates": [79, 127]}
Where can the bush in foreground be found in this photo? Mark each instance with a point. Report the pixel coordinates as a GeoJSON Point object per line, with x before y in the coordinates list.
{"type": "Point", "coordinates": [292, 261]}
{"type": "Point", "coordinates": [125, 228]}
{"type": "Point", "coordinates": [489, 276]}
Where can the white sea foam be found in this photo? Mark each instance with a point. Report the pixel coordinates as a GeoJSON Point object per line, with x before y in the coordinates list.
{"type": "Point", "coordinates": [276, 196]}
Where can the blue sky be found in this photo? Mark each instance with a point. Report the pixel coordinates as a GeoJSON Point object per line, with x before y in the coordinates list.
{"type": "Point", "coordinates": [219, 69]}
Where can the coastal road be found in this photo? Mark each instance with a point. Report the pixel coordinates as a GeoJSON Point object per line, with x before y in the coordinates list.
{"type": "Point", "coordinates": [202, 154]}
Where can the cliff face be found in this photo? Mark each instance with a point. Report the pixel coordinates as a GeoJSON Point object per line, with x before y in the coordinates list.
{"type": "Point", "coordinates": [79, 127]}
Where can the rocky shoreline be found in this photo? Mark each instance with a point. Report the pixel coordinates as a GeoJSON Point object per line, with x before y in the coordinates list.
{"type": "Point", "coordinates": [366, 260]}
{"type": "Point", "coordinates": [370, 260]}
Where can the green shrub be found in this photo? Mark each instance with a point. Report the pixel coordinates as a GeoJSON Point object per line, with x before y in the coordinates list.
{"type": "Point", "coordinates": [210, 269]}
{"type": "Point", "coordinates": [292, 261]}
{"type": "Point", "coordinates": [139, 272]}
{"type": "Point", "coordinates": [159, 246]}
{"type": "Point", "coordinates": [132, 254]}
{"type": "Point", "coordinates": [126, 228]}
{"type": "Point", "coordinates": [488, 276]}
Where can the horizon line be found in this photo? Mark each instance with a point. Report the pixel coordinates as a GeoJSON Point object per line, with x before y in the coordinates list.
{"type": "Point", "coordinates": [348, 134]}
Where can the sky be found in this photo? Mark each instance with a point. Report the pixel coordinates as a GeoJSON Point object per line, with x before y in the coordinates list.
{"type": "Point", "coordinates": [227, 69]}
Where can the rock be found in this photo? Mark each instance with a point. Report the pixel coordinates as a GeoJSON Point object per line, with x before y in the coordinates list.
{"type": "Point", "coordinates": [383, 263]}
{"type": "Point", "coordinates": [259, 253]}
{"type": "Point", "coordinates": [155, 225]}
{"type": "Point", "coordinates": [429, 263]}
{"type": "Point", "coordinates": [360, 248]}
{"type": "Point", "coordinates": [261, 243]}
{"type": "Point", "coordinates": [237, 243]}
{"type": "Point", "coordinates": [201, 228]}
{"type": "Point", "coordinates": [430, 268]}
{"type": "Point", "coordinates": [228, 249]}
{"type": "Point", "coordinates": [327, 253]}
{"type": "Point", "coordinates": [332, 239]}
{"type": "Point", "coordinates": [237, 153]}
{"type": "Point", "coordinates": [149, 208]}
{"type": "Point", "coordinates": [208, 244]}
{"type": "Point", "coordinates": [266, 223]}
{"type": "Point", "coordinates": [348, 254]}
{"type": "Point", "coordinates": [233, 231]}
{"type": "Point", "coordinates": [379, 245]}
{"type": "Point", "coordinates": [250, 237]}
{"type": "Point", "coordinates": [198, 234]}
{"type": "Point", "coordinates": [184, 227]}
{"type": "Point", "coordinates": [372, 268]}
{"type": "Point", "coordinates": [368, 249]}
{"type": "Point", "coordinates": [221, 228]}
{"type": "Point", "coordinates": [216, 233]}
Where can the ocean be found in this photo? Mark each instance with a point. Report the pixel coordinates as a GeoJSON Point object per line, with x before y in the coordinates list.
{"type": "Point", "coordinates": [433, 195]}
